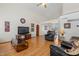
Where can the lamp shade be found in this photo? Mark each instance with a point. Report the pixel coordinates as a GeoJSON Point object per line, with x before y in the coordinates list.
{"type": "Point", "coordinates": [62, 31]}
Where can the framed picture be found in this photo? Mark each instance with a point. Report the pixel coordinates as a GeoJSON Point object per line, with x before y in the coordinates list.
{"type": "Point", "coordinates": [32, 27]}
{"type": "Point", "coordinates": [7, 26]}
{"type": "Point", "coordinates": [67, 25]}
{"type": "Point", "coordinates": [32, 24]}
{"type": "Point", "coordinates": [78, 25]}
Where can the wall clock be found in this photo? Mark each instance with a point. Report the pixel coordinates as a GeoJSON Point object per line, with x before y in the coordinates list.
{"type": "Point", "coordinates": [22, 20]}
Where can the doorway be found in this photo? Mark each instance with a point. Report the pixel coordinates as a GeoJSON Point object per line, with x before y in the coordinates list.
{"type": "Point", "coordinates": [37, 30]}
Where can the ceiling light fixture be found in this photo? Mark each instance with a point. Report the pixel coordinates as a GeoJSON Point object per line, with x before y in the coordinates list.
{"type": "Point", "coordinates": [42, 5]}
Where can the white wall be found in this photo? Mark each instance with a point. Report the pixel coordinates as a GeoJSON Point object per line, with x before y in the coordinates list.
{"type": "Point", "coordinates": [74, 30]}
{"type": "Point", "coordinates": [70, 7]}
{"type": "Point", "coordinates": [13, 13]}
{"type": "Point", "coordinates": [69, 13]}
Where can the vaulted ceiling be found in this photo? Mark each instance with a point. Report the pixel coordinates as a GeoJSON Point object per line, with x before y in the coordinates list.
{"type": "Point", "coordinates": [53, 10]}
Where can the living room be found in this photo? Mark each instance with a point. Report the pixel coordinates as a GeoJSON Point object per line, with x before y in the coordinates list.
{"type": "Point", "coordinates": [37, 20]}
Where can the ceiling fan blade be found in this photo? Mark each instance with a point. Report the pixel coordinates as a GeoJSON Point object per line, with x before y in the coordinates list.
{"type": "Point", "coordinates": [45, 6]}
{"type": "Point", "coordinates": [42, 5]}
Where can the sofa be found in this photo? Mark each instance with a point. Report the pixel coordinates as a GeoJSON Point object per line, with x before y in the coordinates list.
{"type": "Point", "coordinates": [56, 51]}
{"type": "Point", "coordinates": [60, 51]}
{"type": "Point", "coordinates": [50, 35]}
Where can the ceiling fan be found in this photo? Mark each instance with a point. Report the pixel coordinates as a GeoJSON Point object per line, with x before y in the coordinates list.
{"type": "Point", "coordinates": [42, 5]}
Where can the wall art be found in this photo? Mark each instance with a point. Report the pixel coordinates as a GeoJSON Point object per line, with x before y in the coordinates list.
{"type": "Point", "coordinates": [7, 26]}
{"type": "Point", "coordinates": [67, 25]}
{"type": "Point", "coordinates": [22, 20]}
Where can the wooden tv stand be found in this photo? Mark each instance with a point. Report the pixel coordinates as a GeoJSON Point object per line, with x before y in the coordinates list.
{"type": "Point", "coordinates": [21, 42]}
{"type": "Point", "coordinates": [25, 37]}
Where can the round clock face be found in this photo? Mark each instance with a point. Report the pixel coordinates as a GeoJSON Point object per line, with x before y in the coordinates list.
{"type": "Point", "coordinates": [22, 20]}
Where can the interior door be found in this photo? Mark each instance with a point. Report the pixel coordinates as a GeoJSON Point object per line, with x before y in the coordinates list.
{"type": "Point", "coordinates": [37, 30]}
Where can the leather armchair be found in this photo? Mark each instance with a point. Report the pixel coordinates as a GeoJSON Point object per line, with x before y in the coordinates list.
{"type": "Point", "coordinates": [50, 35]}
{"type": "Point", "coordinates": [66, 45]}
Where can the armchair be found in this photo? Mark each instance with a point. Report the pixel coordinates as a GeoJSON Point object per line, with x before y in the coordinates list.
{"type": "Point", "coordinates": [50, 35]}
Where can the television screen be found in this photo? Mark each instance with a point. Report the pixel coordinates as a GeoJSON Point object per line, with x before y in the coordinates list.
{"type": "Point", "coordinates": [23, 30]}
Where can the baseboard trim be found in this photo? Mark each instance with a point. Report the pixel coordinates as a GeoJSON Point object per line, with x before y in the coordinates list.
{"type": "Point", "coordinates": [5, 42]}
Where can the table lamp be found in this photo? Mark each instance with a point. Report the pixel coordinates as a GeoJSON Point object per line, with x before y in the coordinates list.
{"type": "Point", "coordinates": [62, 31]}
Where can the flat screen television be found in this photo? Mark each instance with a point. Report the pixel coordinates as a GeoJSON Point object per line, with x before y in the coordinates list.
{"type": "Point", "coordinates": [23, 30]}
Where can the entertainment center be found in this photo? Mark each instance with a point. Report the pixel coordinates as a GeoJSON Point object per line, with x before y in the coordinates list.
{"type": "Point", "coordinates": [21, 38]}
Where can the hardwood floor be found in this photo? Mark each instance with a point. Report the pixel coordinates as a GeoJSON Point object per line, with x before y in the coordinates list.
{"type": "Point", "coordinates": [37, 47]}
